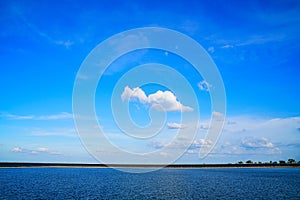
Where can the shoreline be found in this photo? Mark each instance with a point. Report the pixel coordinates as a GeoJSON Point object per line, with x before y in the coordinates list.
{"type": "Point", "coordinates": [172, 166]}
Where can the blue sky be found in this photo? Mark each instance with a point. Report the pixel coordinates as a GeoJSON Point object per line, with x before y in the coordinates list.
{"type": "Point", "coordinates": [255, 45]}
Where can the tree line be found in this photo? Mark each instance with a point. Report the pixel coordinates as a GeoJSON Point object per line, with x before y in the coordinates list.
{"type": "Point", "coordinates": [289, 161]}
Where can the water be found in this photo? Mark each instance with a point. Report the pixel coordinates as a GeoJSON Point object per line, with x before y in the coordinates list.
{"type": "Point", "coordinates": [83, 183]}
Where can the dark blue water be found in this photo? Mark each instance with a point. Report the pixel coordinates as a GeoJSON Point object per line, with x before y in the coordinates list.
{"type": "Point", "coordinates": [66, 183]}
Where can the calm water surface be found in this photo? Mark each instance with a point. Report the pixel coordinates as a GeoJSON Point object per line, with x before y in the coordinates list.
{"type": "Point", "coordinates": [80, 183]}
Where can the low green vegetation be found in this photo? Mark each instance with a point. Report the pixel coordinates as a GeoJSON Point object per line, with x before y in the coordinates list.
{"type": "Point", "coordinates": [289, 161]}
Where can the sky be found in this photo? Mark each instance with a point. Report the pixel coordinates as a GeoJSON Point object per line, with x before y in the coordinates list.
{"type": "Point", "coordinates": [254, 44]}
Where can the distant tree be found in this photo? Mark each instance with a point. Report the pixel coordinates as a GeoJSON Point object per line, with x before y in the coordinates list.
{"type": "Point", "coordinates": [259, 162]}
{"type": "Point", "coordinates": [275, 163]}
{"type": "Point", "coordinates": [240, 162]}
{"type": "Point", "coordinates": [291, 161]}
{"type": "Point", "coordinates": [271, 162]}
{"type": "Point", "coordinates": [281, 161]}
{"type": "Point", "coordinates": [249, 162]}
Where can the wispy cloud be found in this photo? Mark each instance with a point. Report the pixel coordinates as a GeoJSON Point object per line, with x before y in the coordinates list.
{"type": "Point", "coordinates": [65, 43]}
{"type": "Point", "coordinates": [62, 132]}
{"type": "Point", "coordinates": [227, 46]}
{"type": "Point", "coordinates": [211, 49]}
{"type": "Point", "coordinates": [249, 146]}
{"type": "Point", "coordinates": [39, 150]}
{"type": "Point", "coordinates": [161, 101]}
{"type": "Point", "coordinates": [260, 39]}
{"type": "Point", "coordinates": [176, 125]}
{"type": "Point", "coordinates": [259, 136]}
{"type": "Point", "coordinates": [189, 26]}
{"type": "Point", "coordinates": [249, 40]}
{"type": "Point", "coordinates": [193, 147]}
{"type": "Point", "coordinates": [257, 125]}
{"type": "Point", "coordinates": [42, 34]}
{"type": "Point", "coordinates": [256, 143]}
{"type": "Point", "coordinates": [63, 115]}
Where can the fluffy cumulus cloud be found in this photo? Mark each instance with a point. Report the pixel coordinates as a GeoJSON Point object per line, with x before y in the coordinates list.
{"type": "Point", "coordinates": [204, 86]}
{"type": "Point", "coordinates": [134, 94]}
{"type": "Point", "coordinates": [160, 101]}
{"type": "Point", "coordinates": [175, 126]}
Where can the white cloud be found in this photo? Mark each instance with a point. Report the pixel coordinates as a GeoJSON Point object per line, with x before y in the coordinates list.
{"type": "Point", "coordinates": [162, 153]}
{"type": "Point", "coordinates": [204, 86]}
{"type": "Point", "coordinates": [248, 146]}
{"type": "Point", "coordinates": [197, 145]}
{"type": "Point", "coordinates": [252, 135]}
{"type": "Point", "coordinates": [246, 137]}
{"type": "Point", "coordinates": [261, 39]}
{"type": "Point", "coordinates": [17, 117]}
{"type": "Point", "coordinates": [256, 143]}
{"type": "Point", "coordinates": [64, 132]}
{"type": "Point", "coordinates": [166, 101]}
{"type": "Point", "coordinates": [34, 151]}
{"type": "Point", "coordinates": [160, 101]}
{"type": "Point", "coordinates": [34, 29]}
{"type": "Point", "coordinates": [211, 49]}
{"type": "Point", "coordinates": [134, 94]}
{"type": "Point", "coordinates": [201, 142]}
{"type": "Point", "coordinates": [190, 26]}
{"type": "Point", "coordinates": [65, 43]}
{"type": "Point", "coordinates": [250, 40]}
{"type": "Point", "coordinates": [217, 114]}
{"type": "Point", "coordinates": [42, 149]}
{"type": "Point", "coordinates": [203, 126]}
{"type": "Point", "coordinates": [63, 115]}
{"type": "Point", "coordinates": [157, 145]}
{"type": "Point", "coordinates": [175, 126]}
{"type": "Point", "coordinates": [277, 128]}
{"type": "Point", "coordinates": [17, 149]}
{"type": "Point", "coordinates": [227, 46]}
{"type": "Point", "coordinates": [193, 147]}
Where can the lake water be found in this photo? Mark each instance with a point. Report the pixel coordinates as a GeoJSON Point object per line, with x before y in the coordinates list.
{"type": "Point", "coordinates": [84, 183]}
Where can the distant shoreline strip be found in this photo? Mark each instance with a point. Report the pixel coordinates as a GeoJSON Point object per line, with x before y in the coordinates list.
{"type": "Point", "coordinates": [76, 165]}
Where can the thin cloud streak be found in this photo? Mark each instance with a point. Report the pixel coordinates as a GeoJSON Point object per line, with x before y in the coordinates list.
{"type": "Point", "coordinates": [39, 150]}
{"type": "Point", "coordinates": [60, 116]}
